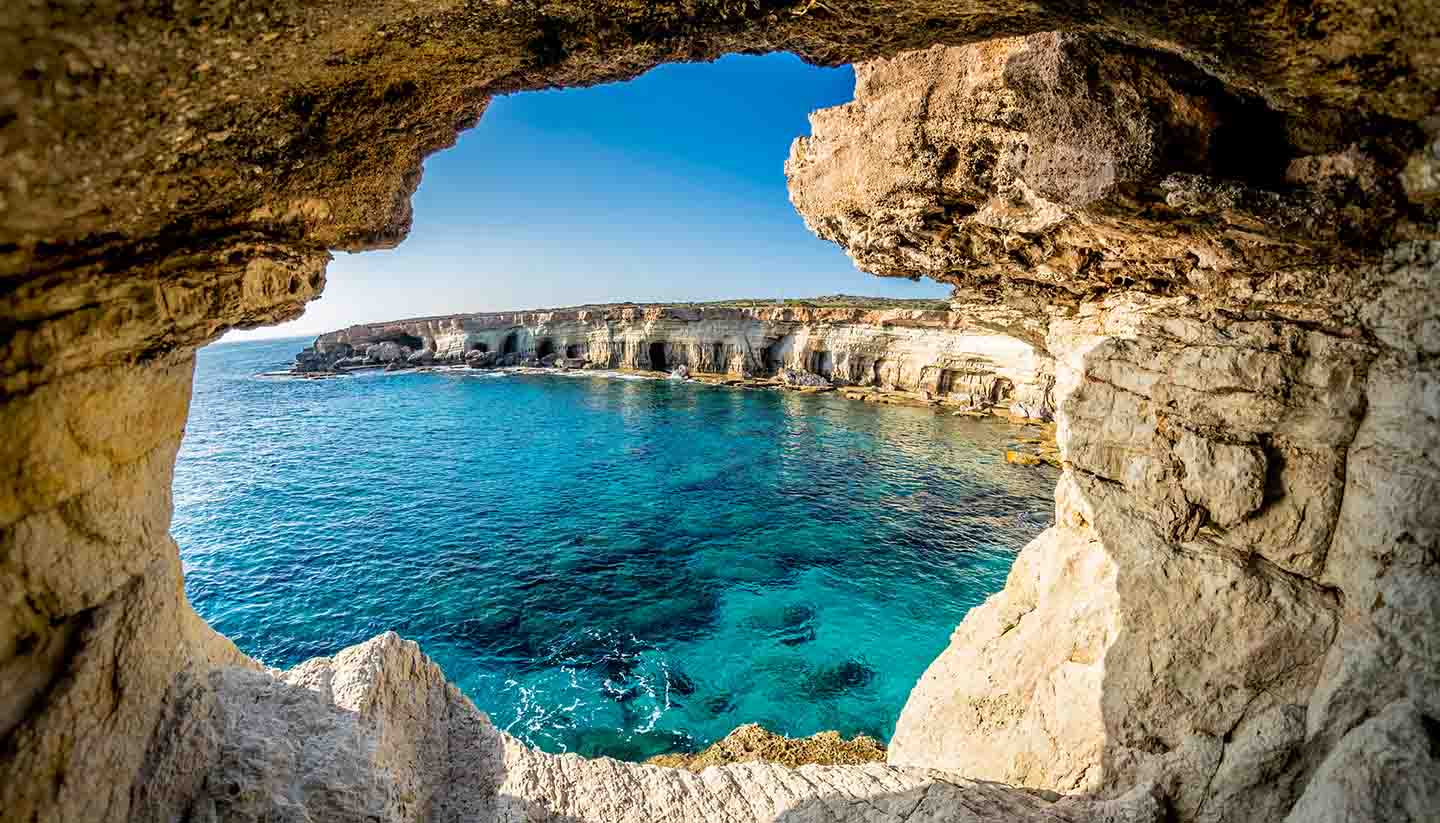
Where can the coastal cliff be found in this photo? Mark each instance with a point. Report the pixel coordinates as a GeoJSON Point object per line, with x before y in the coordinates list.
{"type": "Point", "coordinates": [939, 354]}
{"type": "Point", "coordinates": [1221, 227]}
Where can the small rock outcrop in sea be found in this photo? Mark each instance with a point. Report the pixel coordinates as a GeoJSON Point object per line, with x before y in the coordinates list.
{"type": "Point", "coordinates": [800, 377]}
{"type": "Point", "coordinates": [752, 743]}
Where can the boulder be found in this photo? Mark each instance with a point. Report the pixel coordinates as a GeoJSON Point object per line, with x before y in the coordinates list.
{"type": "Point", "coordinates": [802, 378]}
{"type": "Point", "coordinates": [309, 360]}
{"type": "Point", "coordinates": [481, 359]}
{"type": "Point", "coordinates": [424, 357]}
{"type": "Point", "coordinates": [387, 352]}
{"type": "Point", "coordinates": [680, 372]}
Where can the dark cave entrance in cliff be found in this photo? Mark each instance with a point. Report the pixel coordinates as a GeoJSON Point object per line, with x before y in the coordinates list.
{"type": "Point", "coordinates": [409, 341]}
{"type": "Point", "coordinates": [947, 381]}
{"type": "Point", "coordinates": [480, 347]}
{"type": "Point", "coordinates": [511, 345]}
{"type": "Point", "coordinates": [657, 356]}
{"type": "Point", "coordinates": [822, 363]}
{"type": "Point", "coordinates": [544, 348]}
{"type": "Point", "coordinates": [572, 351]}
{"type": "Point", "coordinates": [770, 360]}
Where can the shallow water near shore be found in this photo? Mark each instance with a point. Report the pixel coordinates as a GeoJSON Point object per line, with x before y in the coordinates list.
{"type": "Point", "coordinates": [605, 566]}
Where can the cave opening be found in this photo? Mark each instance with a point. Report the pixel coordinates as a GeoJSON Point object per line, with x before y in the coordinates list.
{"type": "Point", "coordinates": [521, 335]}
{"type": "Point", "coordinates": [822, 362]}
{"type": "Point", "coordinates": [409, 341]}
{"type": "Point", "coordinates": [1233, 148]}
{"type": "Point", "coordinates": [945, 383]}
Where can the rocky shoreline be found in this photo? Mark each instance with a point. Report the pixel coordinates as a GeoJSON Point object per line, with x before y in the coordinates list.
{"type": "Point", "coordinates": [896, 356]}
{"type": "Point", "coordinates": [984, 392]}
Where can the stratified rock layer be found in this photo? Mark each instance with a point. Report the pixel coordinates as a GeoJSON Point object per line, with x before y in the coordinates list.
{"type": "Point", "coordinates": [946, 354]}
{"type": "Point", "coordinates": [1219, 222]}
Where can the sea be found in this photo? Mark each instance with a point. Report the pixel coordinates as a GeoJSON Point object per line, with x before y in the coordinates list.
{"type": "Point", "coordinates": [605, 563]}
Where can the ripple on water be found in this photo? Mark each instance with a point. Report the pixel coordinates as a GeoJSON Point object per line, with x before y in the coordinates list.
{"type": "Point", "coordinates": [606, 566]}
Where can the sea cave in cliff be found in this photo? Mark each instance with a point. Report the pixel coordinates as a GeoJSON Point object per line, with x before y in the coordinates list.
{"type": "Point", "coordinates": [1223, 613]}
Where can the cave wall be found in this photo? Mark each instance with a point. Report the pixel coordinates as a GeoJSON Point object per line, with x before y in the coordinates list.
{"type": "Point", "coordinates": [171, 171]}
{"type": "Point", "coordinates": [1235, 600]}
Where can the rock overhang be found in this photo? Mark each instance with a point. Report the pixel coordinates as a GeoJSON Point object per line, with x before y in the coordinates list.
{"type": "Point", "coordinates": [1199, 300]}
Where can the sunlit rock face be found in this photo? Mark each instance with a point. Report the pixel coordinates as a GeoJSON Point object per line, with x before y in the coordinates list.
{"type": "Point", "coordinates": [1219, 224]}
{"type": "Point", "coordinates": [945, 353]}
{"type": "Point", "coordinates": [1238, 334]}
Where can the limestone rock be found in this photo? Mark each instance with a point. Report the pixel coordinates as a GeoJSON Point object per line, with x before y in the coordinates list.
{"type": "Point", "coordinates": [481, 359]}
{"type": "Point", "coordinates": [1208, 223]}
{"type": "Point", "coordinates": [1228, 480]}
{"type": "Point", "coordinates": [386, 352]}
{"type": "Point", "coordinates": [377, 733]}
{"type": "Point", "coordinates": [956, 355]}
{"type": "Point", "coordinates": [1387, 768]}
{"type": "Point", "coordinates": [1022, 458]}
{"type": "Point", "coordinates": [800, 377]}
{"type": "Point", "coordinates": [752, 742]}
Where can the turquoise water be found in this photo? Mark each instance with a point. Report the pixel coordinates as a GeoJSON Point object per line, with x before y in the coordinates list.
{"type": "Point", "coordinates": [605, 565]}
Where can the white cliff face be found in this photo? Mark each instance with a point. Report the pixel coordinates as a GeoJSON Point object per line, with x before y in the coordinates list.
{"type": "Point", "coordinates": [944, 353]}
{"type": "Point", "coordinates": [1230, 567]}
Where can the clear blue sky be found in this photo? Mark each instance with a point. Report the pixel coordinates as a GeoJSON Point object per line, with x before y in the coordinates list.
{"type": "Point", "coordinates": [668, 187]}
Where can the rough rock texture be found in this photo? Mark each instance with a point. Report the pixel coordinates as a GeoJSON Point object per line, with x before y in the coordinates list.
{"type": "Point", "coordinates": [377, 733]}
{"type": "Point", "coordinates": [1244, 567]}
{"type": "Point", "coordinates": [1221, 220]}
{"type": "Point", "coordinates": [752, 742]}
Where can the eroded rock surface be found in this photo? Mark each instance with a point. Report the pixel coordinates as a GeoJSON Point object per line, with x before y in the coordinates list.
{"type": "Point", "coordinates": [946, 353]}
{"type": "Point", "coordinates": [1219, 222]}
{"type": "Point", "coordinates": [1237, 338]}
{"type": "Point", "coordinates": [377, 733]}
{"type": "Point", "coordinates": [753, 743]}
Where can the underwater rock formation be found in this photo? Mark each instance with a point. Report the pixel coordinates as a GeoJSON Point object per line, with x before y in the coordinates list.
{"type": "Point", "coordinates": [1219, 222]}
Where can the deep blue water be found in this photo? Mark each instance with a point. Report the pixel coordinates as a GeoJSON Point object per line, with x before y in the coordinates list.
{"type": "Point", "coordinates": [605, 565]}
